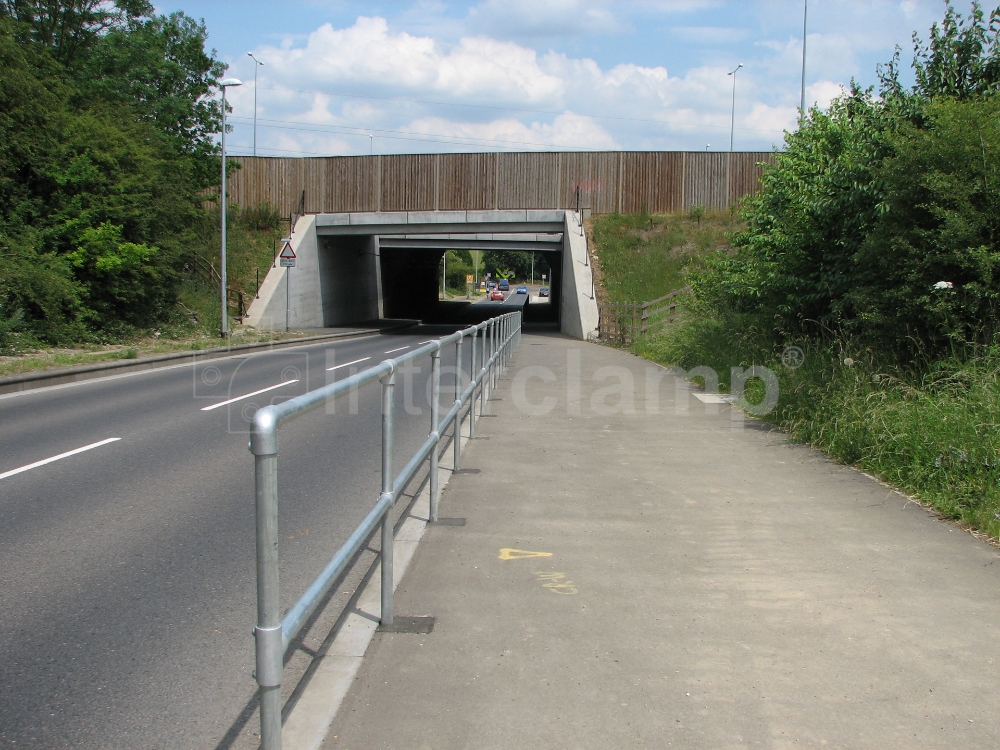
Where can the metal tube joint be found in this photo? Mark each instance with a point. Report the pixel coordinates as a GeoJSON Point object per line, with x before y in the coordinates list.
{"type": "Point", "coordinates": [270, 656]}
{"type": "Point", "coordinates": [264, 432]}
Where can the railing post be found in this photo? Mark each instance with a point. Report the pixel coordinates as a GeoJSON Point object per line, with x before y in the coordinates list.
{"type": "Point", "coordinates": [494, 331]}
{"type": "Point", "coordinates": [388, 403]}
{"type": "Point", "coordinates": [435, 431]}
{"type": "Point", "coordinates": [457, 463]}
{"type": "Point", "coordinates": [482, 374]}
{"type": "Point", "coordinates": [472, 378]}
{"type": "Point", "coordinates": [267, 633]}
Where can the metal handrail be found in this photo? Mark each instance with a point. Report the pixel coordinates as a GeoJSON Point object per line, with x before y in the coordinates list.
{"type": "Point", "coordinates": [273, 635]}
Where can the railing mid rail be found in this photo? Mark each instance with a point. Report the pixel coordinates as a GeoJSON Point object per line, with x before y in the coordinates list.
{"type": "Point", "coordinates": [493, 341]}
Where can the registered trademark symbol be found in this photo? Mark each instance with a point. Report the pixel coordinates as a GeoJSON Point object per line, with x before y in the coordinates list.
{"type": "Point", "coordinates": [793, 357]}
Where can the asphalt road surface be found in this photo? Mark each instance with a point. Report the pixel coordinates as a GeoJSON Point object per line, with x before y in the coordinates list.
{"type": "Point", "coordinates": [127, 584]}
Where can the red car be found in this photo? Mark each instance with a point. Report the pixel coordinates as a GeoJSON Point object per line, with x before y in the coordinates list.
{"type": "Point", "coordinates": [496, 296]}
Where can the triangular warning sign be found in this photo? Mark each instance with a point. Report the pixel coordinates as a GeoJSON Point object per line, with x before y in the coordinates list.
{"type": "Point", "coordinates": [286, 252]}
{"type": "Point", "coordinates": [517, 554]}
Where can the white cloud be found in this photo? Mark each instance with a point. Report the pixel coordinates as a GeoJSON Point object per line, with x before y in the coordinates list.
{"type": "Point", "coordinates": [415, 92]}
{"type": "Point", "coordinates": [822, 93]}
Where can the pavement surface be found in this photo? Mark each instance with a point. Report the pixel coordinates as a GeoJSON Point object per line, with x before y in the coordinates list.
{"type": "Point", "coordinates": [639, 568]}
{"type": "Point", "coordinates": [127, 582]}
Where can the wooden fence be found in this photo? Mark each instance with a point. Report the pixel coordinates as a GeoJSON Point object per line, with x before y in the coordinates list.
{"type": "Point", "coordinates": [622, 323]}
{"type": "Point", "coordinates": [606, 182]}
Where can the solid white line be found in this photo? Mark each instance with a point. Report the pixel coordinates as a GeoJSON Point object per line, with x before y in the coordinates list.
{"type": "Point", "coordinates": [35, 465]}
{"type": "Point", "coordinates": [396, 350]}
{"type": "Point", "coordinates": [363, 359]}
{"type": "Point", "coordinates": [240, 398]}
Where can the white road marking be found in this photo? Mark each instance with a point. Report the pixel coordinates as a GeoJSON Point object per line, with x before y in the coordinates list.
{"type": "Point", "coordinates": [363, 359]}
{"type": "Point", "coordinates": [429, 341]}
{"type": "Point", "coordinates": [396, 350]}
{"type": "Point", "coordinates": [248, 395]}
{"type": "Point", "coordinates": [35, 465]}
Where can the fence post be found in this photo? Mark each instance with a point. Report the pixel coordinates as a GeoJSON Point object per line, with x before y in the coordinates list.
{"type": "Point", "coordinates": [457, 463]}
{"type": "Point", "coordinates": [472, 378]}
{"type": "Point", "coordinates": [482, 380]}
{"type": "Point", "coordinates": [435, 430]}
{"type": "Point", "coordinates": [267, 633]}
{"type": "Point", "coordinates": [494, 348]}
{"type": "Point", "coordinates": [388, 389]}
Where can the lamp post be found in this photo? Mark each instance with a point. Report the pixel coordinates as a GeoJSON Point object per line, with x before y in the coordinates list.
{"type": "Point", "coordinates": [255, 68]}
{"type": "Point", "coordinates": [802, 90]}
{"type": "Point", "coordinates": [224, 84]}
{"type": "Point", "coordinates": [371, 144]}
{"type": "Point", "coordinates": [732, 122]}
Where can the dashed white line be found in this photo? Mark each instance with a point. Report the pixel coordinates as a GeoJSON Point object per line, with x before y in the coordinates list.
{"type": "Point", "coordinates": [44, 461]}
{"type": "Point", "coordinates": [363, 359]}
{"type": "Point", "coordinates": [396, 350]}
{"type": "Point", "coordinates": [429, 341]}
{"type": "Point", "coordinates": [248, 395]}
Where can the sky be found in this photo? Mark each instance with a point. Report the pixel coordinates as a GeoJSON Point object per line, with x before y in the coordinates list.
{"type": "Point", "coordinates": [344, 78]}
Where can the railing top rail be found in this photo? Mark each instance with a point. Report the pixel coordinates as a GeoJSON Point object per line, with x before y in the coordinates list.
{"type": "Point", "coordinates": [264, 429]}
{"type": "Point", "coordinates": [665, 297]}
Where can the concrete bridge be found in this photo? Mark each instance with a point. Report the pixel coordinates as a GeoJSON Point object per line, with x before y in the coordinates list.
{"type": "Point", "coordinates": [357, 267]}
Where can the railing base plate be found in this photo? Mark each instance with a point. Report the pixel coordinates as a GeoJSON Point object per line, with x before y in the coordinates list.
{"type": "Point", "coordinates": [416, 625]}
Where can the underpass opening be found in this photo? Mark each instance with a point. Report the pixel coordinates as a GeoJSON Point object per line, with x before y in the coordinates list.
{"type": "Point", "coordinates": [411, 280]}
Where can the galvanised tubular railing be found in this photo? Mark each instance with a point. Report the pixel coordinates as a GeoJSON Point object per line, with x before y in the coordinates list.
{"type": "Point", "coordinates": [273, 634]}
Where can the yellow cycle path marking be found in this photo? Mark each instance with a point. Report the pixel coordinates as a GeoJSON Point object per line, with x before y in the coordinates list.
{"type": "Point", "coordinates": [507, 553]}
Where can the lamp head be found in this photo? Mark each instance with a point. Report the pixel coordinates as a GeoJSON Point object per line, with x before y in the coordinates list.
{"type": "Point", "coordinates": [225, 82]}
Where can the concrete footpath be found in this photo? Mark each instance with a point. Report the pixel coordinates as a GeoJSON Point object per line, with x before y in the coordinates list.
{"type": "Point", "coordinates": [641, 570]}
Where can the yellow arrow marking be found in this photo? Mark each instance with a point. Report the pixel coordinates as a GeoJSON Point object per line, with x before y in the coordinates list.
{"type": "Point", "coordinates": [519, 554]}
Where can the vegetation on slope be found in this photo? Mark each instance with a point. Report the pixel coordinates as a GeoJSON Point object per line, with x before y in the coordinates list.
{"type": "Point", "coordinates": [641, 257]}
{"type": "Point", "coordinates": [874, 247]}
{"type": "Point", "coordinates": [106, 154]}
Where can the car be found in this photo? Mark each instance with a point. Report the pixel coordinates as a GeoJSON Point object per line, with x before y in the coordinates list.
{"type": "Point", "coordinates": [522, 290]}
{"type": "Point", "coordinates": [504, 285]}
{"type": "Point", "coordinates": [543, 292]}
{"type": "Point", "coordinates": [490, 286]}
{"type": "Point", "coordinates": [496, 296]}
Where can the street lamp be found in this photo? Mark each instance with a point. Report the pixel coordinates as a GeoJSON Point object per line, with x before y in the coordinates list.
{"type": "Point", "coordinates": [255, 68]}
{"type": "Point", "coordinates": [223, 85]}
{"type": "Point", "coordinates": [371, 144]}
{"type": "Point", "coordinates": [732, 122]}
{"type": "Point", "coordinates": [802, 91]}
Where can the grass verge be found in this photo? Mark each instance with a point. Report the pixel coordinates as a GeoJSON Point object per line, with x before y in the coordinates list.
{"type": "Point", "coordinates": [930, 429]}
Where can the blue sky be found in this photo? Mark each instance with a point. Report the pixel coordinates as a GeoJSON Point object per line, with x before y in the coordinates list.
{"type": "Point", "coordinates": [397, 77]}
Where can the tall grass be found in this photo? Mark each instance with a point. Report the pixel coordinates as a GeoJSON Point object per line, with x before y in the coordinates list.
{"type": "Point", "coordinates": [932, 428]}
{"type": "Point", "coordinates": [644, 256]}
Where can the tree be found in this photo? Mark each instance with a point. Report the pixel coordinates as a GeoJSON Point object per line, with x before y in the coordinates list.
{"type": "Point", "coordinates": [105, 151]}
{"type": "Point", "coordinates": [879, 218]}
{"type": "Point", "coordinates": [68, 29]}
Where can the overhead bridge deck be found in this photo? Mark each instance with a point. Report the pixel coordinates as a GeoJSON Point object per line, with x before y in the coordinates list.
{"type": "Point", "coordinates": [354, 267]}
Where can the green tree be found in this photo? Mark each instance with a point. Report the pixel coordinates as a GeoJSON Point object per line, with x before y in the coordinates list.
{"type": "Point", "coordinates": [68, 29]}
{"type": "Point", "coordinates": [940, 222]}
{"type": "Point", "coordinates": [875, 201]}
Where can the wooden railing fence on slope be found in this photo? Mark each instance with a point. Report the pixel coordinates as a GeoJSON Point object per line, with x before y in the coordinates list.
{"type": "Point", "coordinates": [623, 322]}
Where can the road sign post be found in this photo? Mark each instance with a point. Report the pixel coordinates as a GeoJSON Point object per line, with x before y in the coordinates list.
{"type": "Point", "coordinates": [287, 258]}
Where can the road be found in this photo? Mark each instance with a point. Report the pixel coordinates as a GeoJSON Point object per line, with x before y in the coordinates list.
{"type": "Point", "coordinates": [127, 568]}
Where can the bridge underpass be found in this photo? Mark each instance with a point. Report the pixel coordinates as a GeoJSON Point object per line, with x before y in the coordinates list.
{"type": "Point", "coordinates": [354, 268]}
